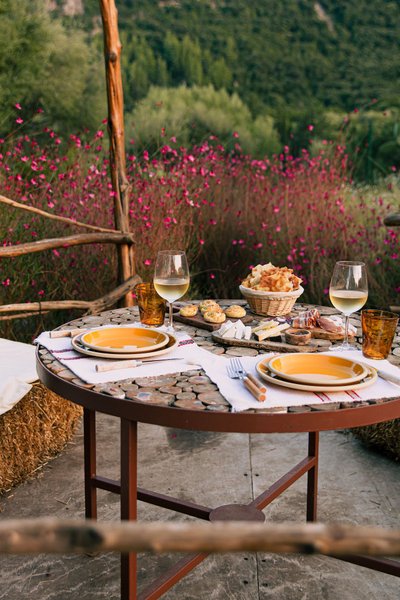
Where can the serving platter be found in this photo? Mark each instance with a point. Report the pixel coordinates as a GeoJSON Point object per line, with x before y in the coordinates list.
{"type": "Point", "coordinates": [126, 340]}
{"type": "Point", "coordinates": [198, 321]}
{"type": "Point", "coordinates": [275, 346]}
{"type": "Point", "coordinates": [268, 376]}
{"type": "Point", "coordinates": [317, 369]}
{"type": "Point", "coordinates": [77, 345]}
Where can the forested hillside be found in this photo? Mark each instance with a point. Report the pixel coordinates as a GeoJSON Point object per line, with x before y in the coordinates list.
{"type": "Point", "coordinates": [332, 53]}
{"type": "Point", "coordinates": [270, 71]}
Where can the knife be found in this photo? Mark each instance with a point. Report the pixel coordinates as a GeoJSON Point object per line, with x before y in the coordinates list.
{"type": "Point", "coordinates": [388, 377]}
{"type": "Point", "coordinates": [126, 364]}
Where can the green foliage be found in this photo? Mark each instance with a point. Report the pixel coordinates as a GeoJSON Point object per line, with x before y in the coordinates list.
{"type": "Point", "coordinates": [333, 53]}
{"type": "Point", "coordinates": [371, 137]}
{"type": "Point", "coordinates": [193, 114]}
{"type": "Point", "coordinates": [43, 65]}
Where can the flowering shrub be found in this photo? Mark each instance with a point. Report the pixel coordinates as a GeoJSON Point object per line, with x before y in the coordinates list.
{"type": "Point", "coordinates": [228, 212]}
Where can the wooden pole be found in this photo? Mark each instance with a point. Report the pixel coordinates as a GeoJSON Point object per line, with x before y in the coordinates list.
{"type": "Point", "coordinates": [55, 536]}
{"type": "Point", "coordinates": [91, 306]}
{"type": "Point", "coordinates": [112, 56]}
{"type": "Point", "coordinates": [78, 239]}
{"type": "Point", "coordinates": [47, 215]}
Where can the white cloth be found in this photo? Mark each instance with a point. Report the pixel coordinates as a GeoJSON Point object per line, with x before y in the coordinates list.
{"type": "Point", "coordinates": [240, 399]}
{"type": "Point", "coordinates": [195, 357]}
{"type": "Point", "coordinates": [190, 354]}
{"type": "Point", "coordinates": [17, 372]}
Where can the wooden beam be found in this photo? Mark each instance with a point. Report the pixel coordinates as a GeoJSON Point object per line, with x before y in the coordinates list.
{"type": "Point", "coordinates": [92, 307]}
{"type": "Point", "coordinates": [392, 220]}
{"type": "Point", "coordinates": [54, 536]}
{"type": "Point", "coordinates": [115, 99]}
{"type": "Point", "coordinates": [47, 215]}
{"type": "Point", "coordinates": [65, 242]}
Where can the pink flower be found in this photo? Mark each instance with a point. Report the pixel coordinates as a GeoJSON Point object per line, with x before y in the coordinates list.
{"type": "Point", "coordinates": [18, 106]}
{"type": "Point", "coordinates": [19, 120]}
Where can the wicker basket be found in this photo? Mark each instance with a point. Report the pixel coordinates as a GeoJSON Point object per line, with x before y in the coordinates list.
{"type": "Point", "coordinates": [270, 304]}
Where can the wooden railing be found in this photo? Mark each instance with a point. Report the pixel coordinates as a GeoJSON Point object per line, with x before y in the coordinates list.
{"type": "Point", "coordinates": [121, 236]}
{"type": "Point", "coordinates": [56, 536]}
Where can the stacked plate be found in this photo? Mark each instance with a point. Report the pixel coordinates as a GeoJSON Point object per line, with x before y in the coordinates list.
{"type": "Point", "coordinates": [316, 372]}
{"type": "Point", "coordinates": [124, 342]}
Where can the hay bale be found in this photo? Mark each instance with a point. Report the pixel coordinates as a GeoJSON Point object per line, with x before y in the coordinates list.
{"type": "Point", "coordinates": [384, 437]}
{"type": "Point", "coordinates": [32, 432]}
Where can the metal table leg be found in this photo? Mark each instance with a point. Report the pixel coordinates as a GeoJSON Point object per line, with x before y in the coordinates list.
{"type": "Point", "coordinates": [312, 476]}
{"type": "Point", "coordinates": [89, 442]}
{"type": "Point", "coordinates": [128, 504]}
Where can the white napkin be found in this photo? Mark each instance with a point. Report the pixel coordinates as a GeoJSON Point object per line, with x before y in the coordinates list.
{"type": "Point", "coordinates": [240, 399]}
{"type": "Point", "coordinates": [17, 371]}
{"type": "Point", "coordinates": [190, 354]}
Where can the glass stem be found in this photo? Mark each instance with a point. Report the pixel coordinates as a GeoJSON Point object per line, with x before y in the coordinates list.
{"type": "Point", "coordinates": [346, 330]}
{"type": "Point", "coordinates": [170, 315]}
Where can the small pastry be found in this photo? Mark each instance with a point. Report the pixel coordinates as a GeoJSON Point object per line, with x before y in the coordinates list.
{"type": "Point", "coordinates": [207, 303]}
{"type": "Point", "coordinates": [235, 311]}
{"type": "Point", "coordinates": [190, 310]}
{"type": "Point", "coordinates": [214, 306]}
{"type": "Point", "coordinates": [213, 316]}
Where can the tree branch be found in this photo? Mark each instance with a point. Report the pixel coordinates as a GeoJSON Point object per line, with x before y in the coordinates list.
{"type": "Point", "coordinates": [92, 307]}
{"type": "Point", "coordinates": [43, 213]}
{"type": "Point", "coordinates": [65, 242]}
{"type": "Point", "coordinates": [50, 535]}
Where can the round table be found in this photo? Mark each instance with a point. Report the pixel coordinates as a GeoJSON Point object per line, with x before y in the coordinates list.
{"type": "Point", "coordinates": [119, 399]}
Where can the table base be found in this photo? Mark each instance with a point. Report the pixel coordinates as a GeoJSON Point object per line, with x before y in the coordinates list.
{"type": "Point", "coordinates": [130, 493]}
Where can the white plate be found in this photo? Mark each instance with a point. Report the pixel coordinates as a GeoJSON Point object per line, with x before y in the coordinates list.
{"type": "Point", "coordinates": [313, 369]}
{"type": "Point", "coordinates": [79, 347]}
{"type": "Point", "coordinates": [124, 340]}
{"type": "Point", "coordinates": [265, 373]}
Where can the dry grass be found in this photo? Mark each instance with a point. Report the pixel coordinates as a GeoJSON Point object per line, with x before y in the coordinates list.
{"type": "Point", "coordinates": [384, 437]}
{"type": "Point", "coordinates": [34, 431]}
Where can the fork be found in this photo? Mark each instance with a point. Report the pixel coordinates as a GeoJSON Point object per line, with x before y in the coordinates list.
{"type": "Point", "coordinates": [236, 371]}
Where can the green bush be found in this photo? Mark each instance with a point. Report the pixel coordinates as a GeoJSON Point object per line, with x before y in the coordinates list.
{"type": "Point", "coordinates": [193, 114]}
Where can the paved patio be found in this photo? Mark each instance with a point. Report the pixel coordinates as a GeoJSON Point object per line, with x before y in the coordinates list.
{"type": "Point", "coordinates": [356, 486]}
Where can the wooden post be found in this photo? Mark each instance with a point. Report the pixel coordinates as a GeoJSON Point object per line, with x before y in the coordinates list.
{"type": "Point", "coordinates": [112, 55]}
{"type": "Point", "coordinates": [49, 535]}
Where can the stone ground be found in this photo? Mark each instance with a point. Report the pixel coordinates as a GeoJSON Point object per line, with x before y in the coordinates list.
{"type": "Point", "coordinates": [357, 486]}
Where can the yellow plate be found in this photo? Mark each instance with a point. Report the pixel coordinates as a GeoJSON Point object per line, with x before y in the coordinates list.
{"type": "Point", "coordinates": [263, 371]}
{"type": "Point", "coordinates": [317, 369]}
{"type": "Point", "coordinates": [79, 347]}
{"type": "Point", "coordinates": [122, 340]}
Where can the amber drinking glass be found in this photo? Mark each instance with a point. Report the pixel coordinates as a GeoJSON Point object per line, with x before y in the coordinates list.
{"type": "Point", "coordinates": [378, 328]}
{"type": "Point", "coordinates": [151, 305]}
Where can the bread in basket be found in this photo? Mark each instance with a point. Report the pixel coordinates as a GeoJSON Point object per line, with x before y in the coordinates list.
{"type": "Point", "coordinates": [271, 291]}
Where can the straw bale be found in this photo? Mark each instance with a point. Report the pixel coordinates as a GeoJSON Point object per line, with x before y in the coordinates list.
{"type": "Point", "coordinates": [35, 430]}
{"type": "Point", "coordinates": [384, 437]}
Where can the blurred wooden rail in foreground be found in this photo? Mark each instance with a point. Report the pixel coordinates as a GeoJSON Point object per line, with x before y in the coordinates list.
{"type": "Point", "coordinates": [50, 535]}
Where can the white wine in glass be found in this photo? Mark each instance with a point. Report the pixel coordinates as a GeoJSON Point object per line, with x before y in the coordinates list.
{"type": "Point", "coordinates": [348, 292]}
{"type": "Point", "coordinates": [171, 277]}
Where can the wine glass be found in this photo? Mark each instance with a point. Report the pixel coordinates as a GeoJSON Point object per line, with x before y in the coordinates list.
{"type": "Point", "coordinates": [171, 277]}
{"type": "Point", "coordinates": [348, 292]}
